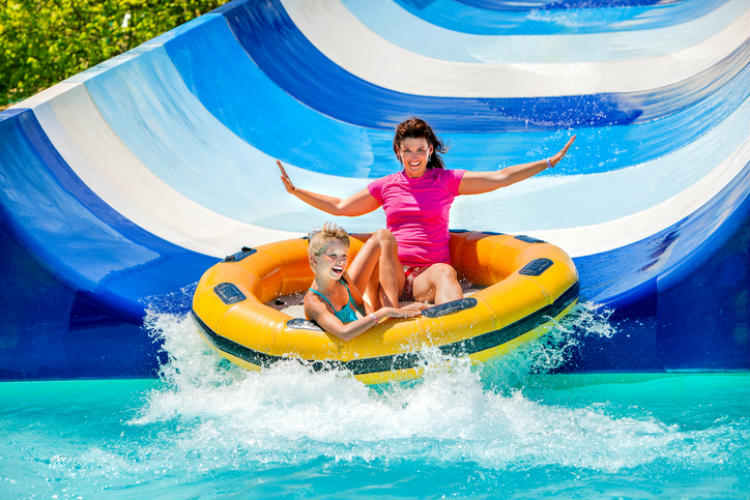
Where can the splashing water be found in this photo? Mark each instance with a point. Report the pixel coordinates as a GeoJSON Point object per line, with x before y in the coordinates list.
{"type": "Point", "coordinates": [507, 428]}
{"type": "Point", "coordinates": [456, 413]}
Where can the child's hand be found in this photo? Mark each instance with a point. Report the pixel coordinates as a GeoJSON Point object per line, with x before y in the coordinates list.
{"type": "Point", "coordinates": [411, 310]}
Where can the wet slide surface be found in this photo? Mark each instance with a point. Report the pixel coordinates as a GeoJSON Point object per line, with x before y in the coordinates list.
{"type": "Point", "coordinates": [121, 185]}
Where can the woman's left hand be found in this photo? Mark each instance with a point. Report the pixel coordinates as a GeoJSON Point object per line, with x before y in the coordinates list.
{"type": "Point", "coordinates": [554, 160]}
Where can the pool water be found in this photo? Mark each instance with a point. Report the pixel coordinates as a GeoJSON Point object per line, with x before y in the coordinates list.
{"type": "Point", "coordinates": [206, 429]}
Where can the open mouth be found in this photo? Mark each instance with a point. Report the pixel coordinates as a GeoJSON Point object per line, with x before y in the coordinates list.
{"type": "Point", "coordinates": [337, 269]}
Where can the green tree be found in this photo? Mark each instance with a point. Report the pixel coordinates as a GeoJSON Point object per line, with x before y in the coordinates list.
{"type": "Point", "coordinates": [45, 41]}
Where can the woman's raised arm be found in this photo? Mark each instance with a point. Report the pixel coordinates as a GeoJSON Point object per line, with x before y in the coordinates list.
{"type": "Point", "coordinates": [483, 182]}
{"type": "Point", "coordinates": [359, 203]}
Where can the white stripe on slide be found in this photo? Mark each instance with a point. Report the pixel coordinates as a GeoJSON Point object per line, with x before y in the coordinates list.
{"type": "Point", "coordinates": [100, 159]}
{"type": "Point", "coordinates": [597, 238]}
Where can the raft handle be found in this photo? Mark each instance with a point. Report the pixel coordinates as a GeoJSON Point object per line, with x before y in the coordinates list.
{"type": "Point", "coordinates": [450, 307]}
{"type": "Point", "coordinates": [240, 255]}
{"type": "Point", "coordinates": [536, 267]}
{"type": "Point", "coordinates": [229, 293]}
{"type": "Point", "coordinates": [303, 324]}
{"type": "Point", "coordinates": [529, 239]}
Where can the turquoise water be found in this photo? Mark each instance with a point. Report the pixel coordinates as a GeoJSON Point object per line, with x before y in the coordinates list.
{"type": "Point", "coordinates": [205, 429]}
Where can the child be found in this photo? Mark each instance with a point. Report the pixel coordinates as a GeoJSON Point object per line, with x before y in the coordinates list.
{"type": "Point", "coordinates": [334, 300]}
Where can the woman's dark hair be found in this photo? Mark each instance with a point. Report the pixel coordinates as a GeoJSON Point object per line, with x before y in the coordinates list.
{"type": "Point", "coordinates": [417, 128]}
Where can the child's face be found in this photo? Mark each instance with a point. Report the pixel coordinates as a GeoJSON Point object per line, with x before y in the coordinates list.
{"type": "Point", "coordinates": [331, 261]}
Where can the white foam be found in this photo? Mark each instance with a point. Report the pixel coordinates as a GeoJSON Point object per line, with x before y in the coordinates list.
{"type": "Point", "coordinates": [289, 414]}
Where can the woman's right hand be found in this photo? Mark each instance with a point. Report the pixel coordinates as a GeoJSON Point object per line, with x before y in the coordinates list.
{"type": "Point", "coordinates": [285, 179]}
{"type": "Point", "coordinates": [359, 203]}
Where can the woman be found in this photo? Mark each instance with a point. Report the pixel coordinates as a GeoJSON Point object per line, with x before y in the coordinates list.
{"type": "Point", "coordinates": [417, 202]}
{"type": "Point", "coordinates": [334, 300]}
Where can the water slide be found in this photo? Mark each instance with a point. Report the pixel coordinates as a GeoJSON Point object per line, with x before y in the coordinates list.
{"type": "Point", "coordinates": [122, 184]}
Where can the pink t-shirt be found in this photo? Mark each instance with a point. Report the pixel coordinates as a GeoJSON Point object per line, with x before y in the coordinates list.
{"type": "Point", "coordinates": [416, 212]}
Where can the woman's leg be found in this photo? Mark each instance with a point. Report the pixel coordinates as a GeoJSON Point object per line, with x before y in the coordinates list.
{"type": "Point", "coordinates": [377, 271]}
{"type": "Point", "coordinates": [438, 283]}
{"type": "Point", "coordinates": [390, 271]}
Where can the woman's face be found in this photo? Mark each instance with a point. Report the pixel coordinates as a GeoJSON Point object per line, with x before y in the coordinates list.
{"type": "Point", "coordinates": [331, 261]}
{"type": "Point", "coordinates": [414, 154]}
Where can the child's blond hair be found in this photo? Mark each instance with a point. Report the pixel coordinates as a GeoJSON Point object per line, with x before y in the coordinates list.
{"type": "Point", "coordinates": [318, 239]}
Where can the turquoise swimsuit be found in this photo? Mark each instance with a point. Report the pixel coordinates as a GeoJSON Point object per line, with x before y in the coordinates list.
{"type": "Point", "coordinates": [348, 313]}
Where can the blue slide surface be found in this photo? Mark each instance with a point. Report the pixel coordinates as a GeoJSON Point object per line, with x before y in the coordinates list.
{"type": "Point", "coordinates": [122, 184]}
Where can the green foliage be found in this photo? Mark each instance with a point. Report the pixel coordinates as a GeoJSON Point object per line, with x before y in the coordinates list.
{"type": "Point", "coordinates": [45, 41]}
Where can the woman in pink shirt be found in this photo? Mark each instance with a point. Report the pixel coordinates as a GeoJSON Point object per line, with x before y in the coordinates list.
{"type": "Point", "coordinates": [414, 258]}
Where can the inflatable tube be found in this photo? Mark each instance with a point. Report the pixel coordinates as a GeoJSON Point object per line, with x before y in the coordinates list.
{"type": "Point", "coordinates": [528, 284]}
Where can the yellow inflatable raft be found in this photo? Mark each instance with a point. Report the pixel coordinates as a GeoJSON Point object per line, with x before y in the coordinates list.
{"type": "Point", "coordinates": [529, 283]}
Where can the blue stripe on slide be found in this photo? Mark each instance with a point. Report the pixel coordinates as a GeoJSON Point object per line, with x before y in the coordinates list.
{"type": "Point", "coordinates": [77, 236]}
{"type": "Point", "coordinates": [413, 34]}
{"type": "Point", "coordinates": [622, 276]}
{"type": "Point", "coordinates": [267, 117]}
{"type": "Point", "coordinates": [504, 5]}
{"type": "Point", "coordinates": [592, 16]}
{"type": "Point", "coordinates": [294, 64]}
